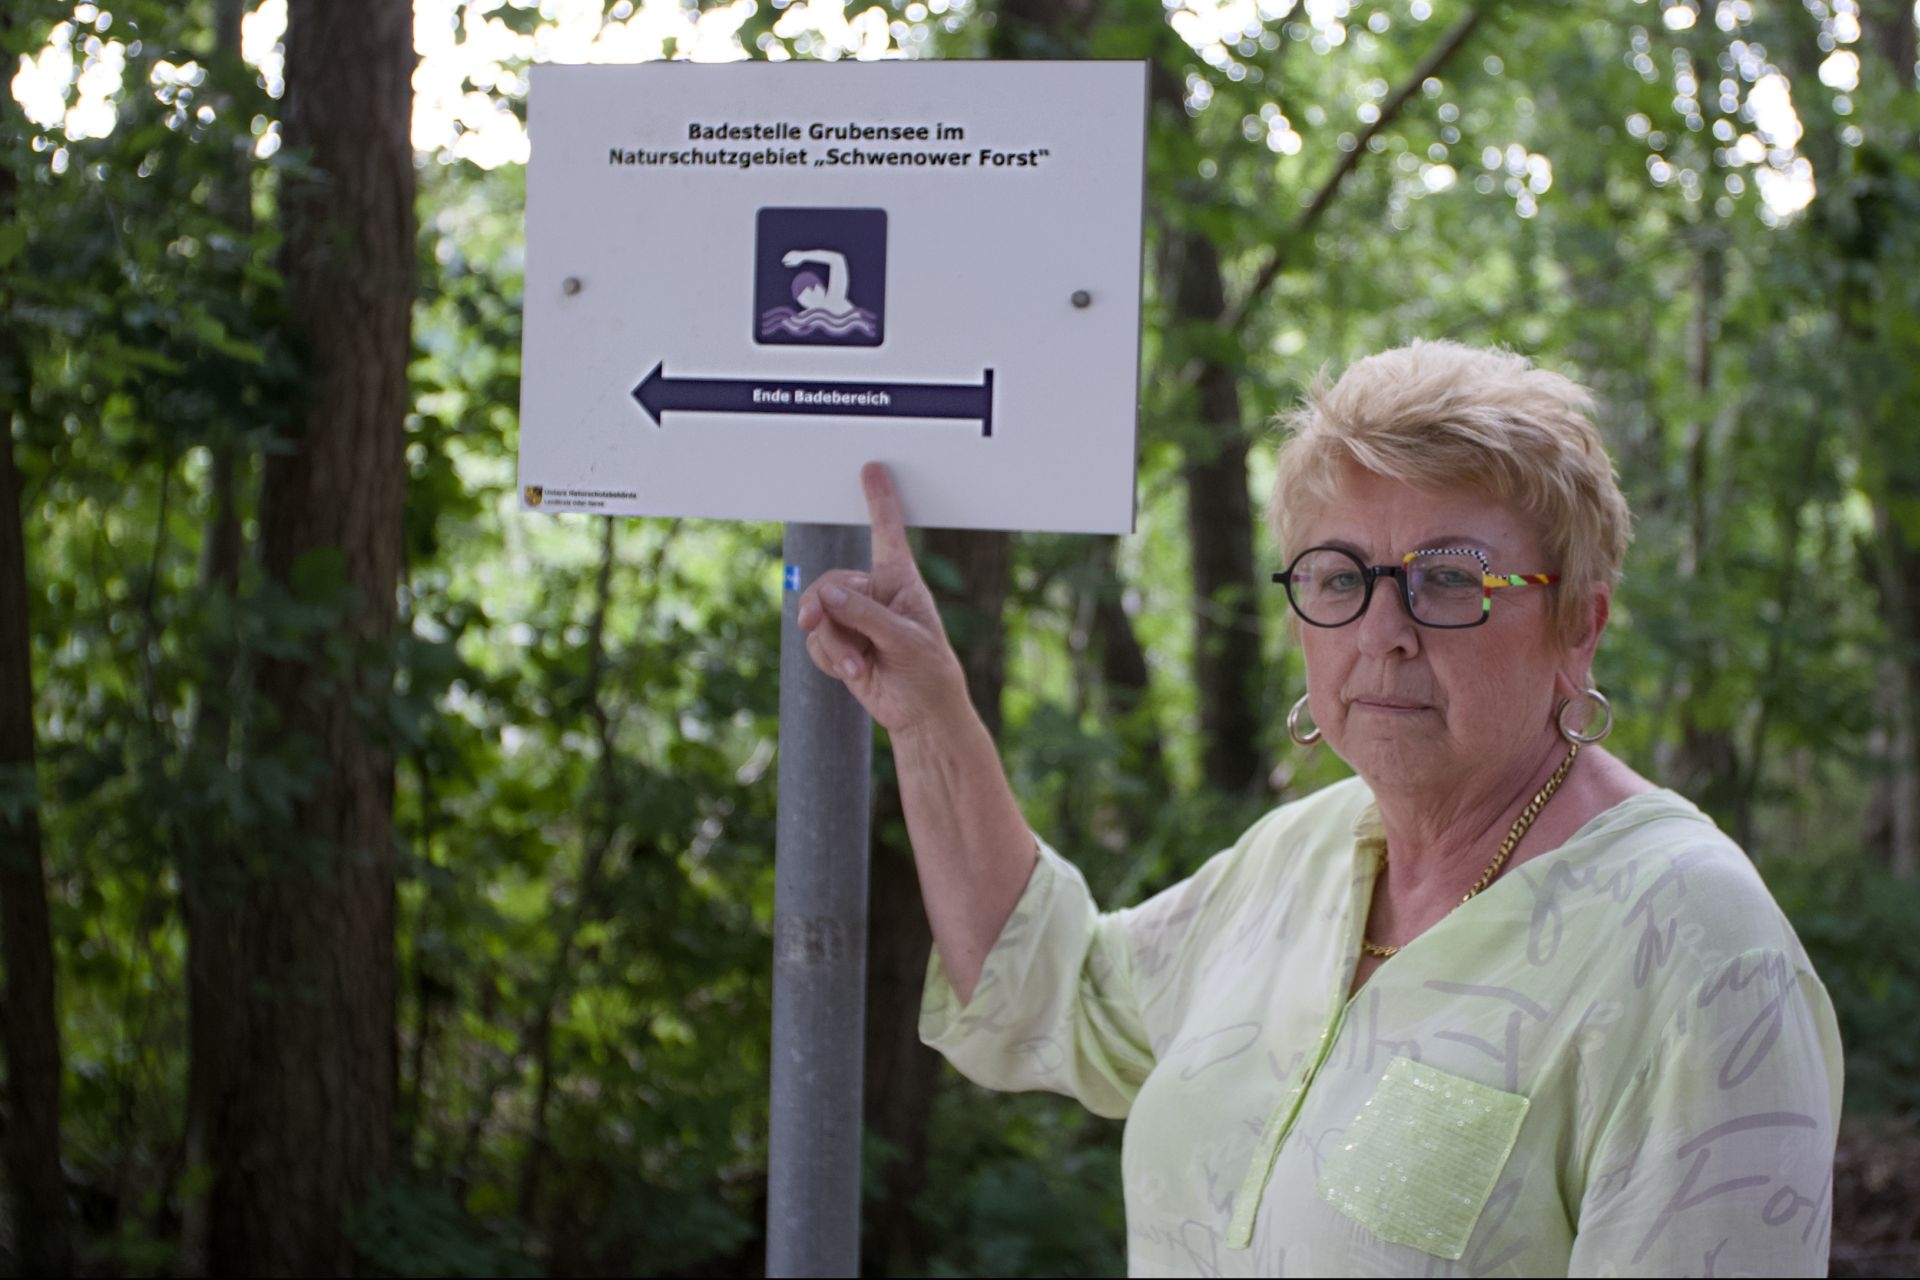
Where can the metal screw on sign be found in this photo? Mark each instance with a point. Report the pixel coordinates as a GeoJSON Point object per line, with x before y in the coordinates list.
{"type": "Point", "coordinates": [1082, 299]}
{"type": "Point", "coordinates": [570, 286]}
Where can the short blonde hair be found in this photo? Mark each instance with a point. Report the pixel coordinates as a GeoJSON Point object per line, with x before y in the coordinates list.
{"type": "Point", "coordinates": [1440, 415]}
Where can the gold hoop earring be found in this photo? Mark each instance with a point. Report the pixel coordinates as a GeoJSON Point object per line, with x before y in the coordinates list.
{"type": "Point", "coordinates": [1293, 725]}
{"type": "Point", "coordinates": [1587, 735]}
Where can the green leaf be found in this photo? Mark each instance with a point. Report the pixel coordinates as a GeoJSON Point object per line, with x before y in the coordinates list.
{"type": "Point", "coordinates": [13, 238]}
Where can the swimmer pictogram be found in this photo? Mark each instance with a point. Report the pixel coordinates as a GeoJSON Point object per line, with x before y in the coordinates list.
{"type": "Point", "coordinates": [660, 395]}
{"type": "Point", "coordinates": [824, 307]}
{"type": "Point", "coordinates": [820, 277]}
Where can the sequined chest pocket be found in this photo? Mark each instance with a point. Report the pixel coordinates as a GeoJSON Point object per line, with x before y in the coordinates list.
{"type": "Point", "coordinates": [1417, 1165]}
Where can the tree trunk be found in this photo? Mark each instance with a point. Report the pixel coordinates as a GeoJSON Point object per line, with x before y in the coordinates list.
{"type": "Point", "coordinates": [1124, 672]}
{"type": "Point", "coordinates": [983, 563]}
{"type": "Point", "coordinates": [209, 869]}
{"type": "Point", "coordinates": [1108, 678]}
{"type": "Point", "coordinates": [308, 1130]}
{"type": "Point", "coordinates": [35, 1182]}
{"type": "Point", "coordinates": [1707, 761]}
{"type": "Point", "coordinates": [1892, 35]}
{"type": "Point", "coordinates": [901, 1073]}
{"type": "Point", "coordinates": [1891, 32]}
{"type": "Point", "coordinates": [1226, 616]}
{"type": "Point", "coordinates": [210, 897]}
{"type": "Point", "coordinates": [1896, 566]}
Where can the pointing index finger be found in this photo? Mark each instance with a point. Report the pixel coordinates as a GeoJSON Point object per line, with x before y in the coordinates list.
{"type": "Point", "coordinates": [889, 521]}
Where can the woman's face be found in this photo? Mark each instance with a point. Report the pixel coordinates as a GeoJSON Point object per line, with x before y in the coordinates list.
{"type": "Point", "coordinates": [1424, 711]}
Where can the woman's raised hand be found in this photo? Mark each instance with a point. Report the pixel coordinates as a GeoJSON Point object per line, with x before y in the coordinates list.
{"type": "Point", "coordinates": [879, 633]}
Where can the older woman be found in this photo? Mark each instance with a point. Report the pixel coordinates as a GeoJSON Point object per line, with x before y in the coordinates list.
{"type": "Point", "coordinates": [1499, 1005]}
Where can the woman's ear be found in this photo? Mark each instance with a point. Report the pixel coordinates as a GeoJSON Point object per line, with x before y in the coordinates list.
{"type": "Point", "coordinates": [1576, 672]}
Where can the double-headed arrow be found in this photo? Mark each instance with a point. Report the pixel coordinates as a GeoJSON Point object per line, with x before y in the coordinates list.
{"type": "Point", "coordinates": [659, 395]}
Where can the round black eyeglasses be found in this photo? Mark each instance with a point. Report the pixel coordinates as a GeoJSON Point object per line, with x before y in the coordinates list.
{"type": "Point", "coordinates": [1446, 587]}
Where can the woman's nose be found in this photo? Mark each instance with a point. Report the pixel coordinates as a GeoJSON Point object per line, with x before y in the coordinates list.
{"type": "Point", "coordinates": [1386, 625]}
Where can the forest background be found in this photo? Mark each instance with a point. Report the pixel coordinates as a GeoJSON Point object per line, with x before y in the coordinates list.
{"type": "Point", "coordinates": [386, 873]}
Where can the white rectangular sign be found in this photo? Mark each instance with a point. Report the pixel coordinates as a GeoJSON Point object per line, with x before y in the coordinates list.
{"type": "Point", "coordinates": [744, 281]}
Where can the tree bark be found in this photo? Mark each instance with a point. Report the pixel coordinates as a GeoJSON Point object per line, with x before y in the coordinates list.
{"type": "Point", "coordinates": [38, 1187]}
{"type": "Point", "coordinates": [1892, 563]}
{"type": "Point", "coordinates": [1892, 34]}
{"type": "Point", "coordinates": [1220, 537]}
{"type": "Point", "coordinates": [1123, 662]}
{"type": "Point", "coordinates": [209, 870]}
{"type": "Point", "coordinates": [210, 897]}
{"type": "Point", "coordinates": [1226, 618]}
{"type": "Point", "coordinates": [1226, 621]}
{"type": "Point", "coordinates": [1707, 760]}
{"type": "Point", "coordinates": [902, 1073]}
{"type": "Point", "coordinates": [1125, 678]}
{"type": "Point", "coordinates": [308, 1130]}
{"type": "Point", "coordinates": [983, 564]}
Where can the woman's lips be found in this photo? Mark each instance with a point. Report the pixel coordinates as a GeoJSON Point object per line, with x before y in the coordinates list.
{"type": "Point", "coordinates": [1388, 704]}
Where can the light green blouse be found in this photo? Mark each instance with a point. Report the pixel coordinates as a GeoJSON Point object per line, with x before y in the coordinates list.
{"type": "Point", "coordinates": [1616, 1060]}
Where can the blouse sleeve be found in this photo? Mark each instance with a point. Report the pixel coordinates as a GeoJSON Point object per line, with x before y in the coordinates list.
{"type": "Point", "coordinates": [1718, 1157]}
{"type": "Point", "coordinates": [1063, 1001]}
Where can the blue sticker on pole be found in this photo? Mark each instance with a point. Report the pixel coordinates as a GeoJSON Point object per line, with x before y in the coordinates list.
{"type": "Point", "coordinates": [793, 577]}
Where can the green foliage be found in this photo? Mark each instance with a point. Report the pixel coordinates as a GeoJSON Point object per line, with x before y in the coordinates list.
{"type": "Point", "coordinates": [1857, 925]}
{"type": "Point", "coordinates": [1023, 1186]}
{"type": "Point", "coordinates": [409, 1230]}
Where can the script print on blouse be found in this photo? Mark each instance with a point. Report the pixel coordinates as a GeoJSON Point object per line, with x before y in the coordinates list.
{"type": "Point", "coordinates": [1636, 988]}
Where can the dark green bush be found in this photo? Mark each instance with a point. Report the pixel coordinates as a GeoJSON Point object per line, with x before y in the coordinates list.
{"type": "Point", "coordinates": [1858, 924]}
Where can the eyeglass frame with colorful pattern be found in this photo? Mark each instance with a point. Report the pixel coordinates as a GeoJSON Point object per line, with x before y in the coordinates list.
{"type": "Point", "coordinates": [1490, 582]}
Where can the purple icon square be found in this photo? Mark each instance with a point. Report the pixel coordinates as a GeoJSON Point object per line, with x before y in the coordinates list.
{"type": "Point", "coordinates": [820, 277]}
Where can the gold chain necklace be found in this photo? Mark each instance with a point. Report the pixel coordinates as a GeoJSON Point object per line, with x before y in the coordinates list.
{"type": "Point", "coordinates": [1507, 846]}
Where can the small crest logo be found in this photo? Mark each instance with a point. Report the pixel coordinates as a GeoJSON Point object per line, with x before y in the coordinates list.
{"type": "Point", "coordinates": [534, 494]}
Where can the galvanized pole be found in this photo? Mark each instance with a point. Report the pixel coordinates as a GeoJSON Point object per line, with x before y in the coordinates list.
{"type": "Point", "coordinates": [819, 938]}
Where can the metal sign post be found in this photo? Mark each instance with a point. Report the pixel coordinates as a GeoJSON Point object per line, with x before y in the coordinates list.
{"type": "Point", "coordinates": [819, 938]}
